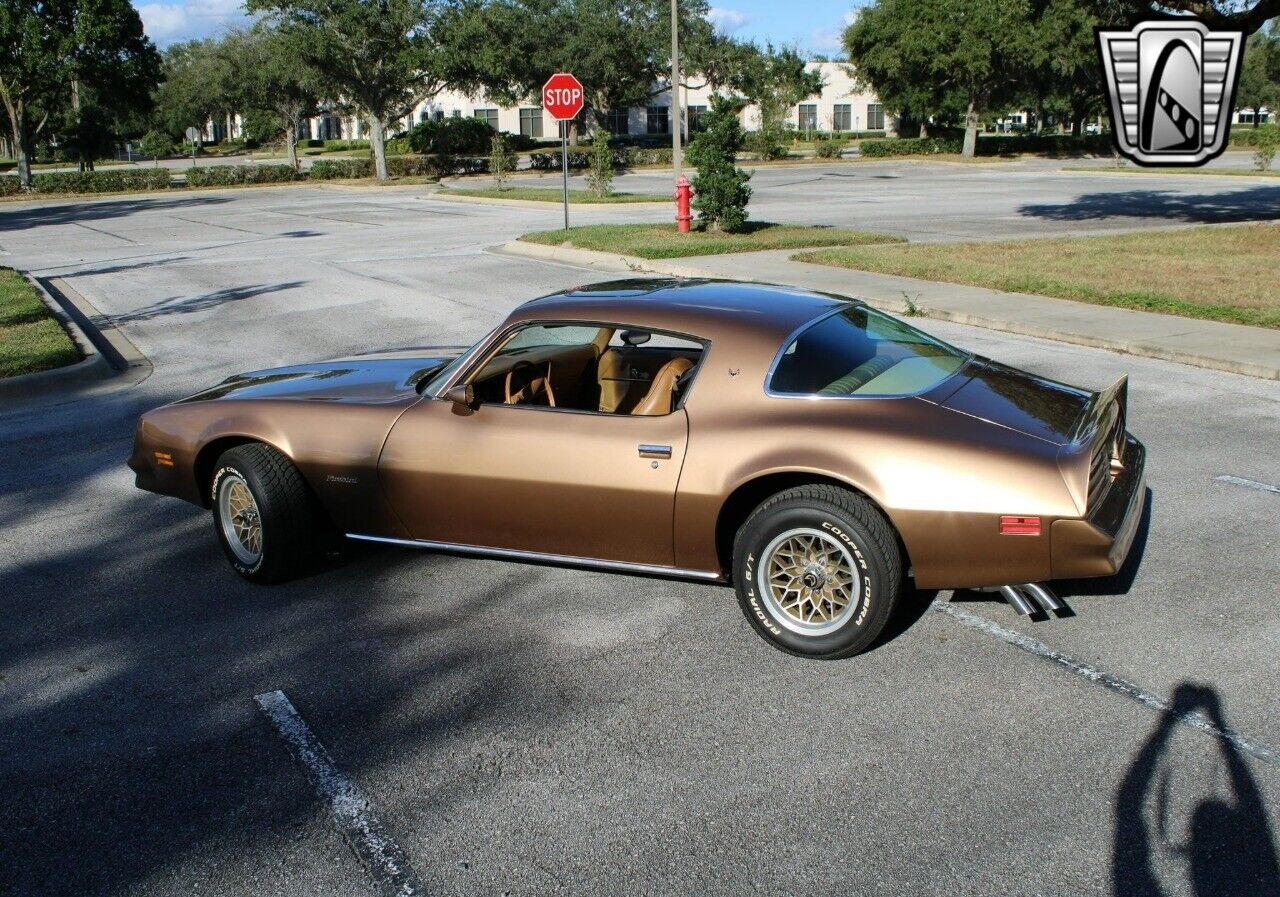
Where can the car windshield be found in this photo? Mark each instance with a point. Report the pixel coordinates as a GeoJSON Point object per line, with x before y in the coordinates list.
{"type": "Point", "coordinates": [441, 376]}
{"type": "Point", "coordinates": [861, 352]}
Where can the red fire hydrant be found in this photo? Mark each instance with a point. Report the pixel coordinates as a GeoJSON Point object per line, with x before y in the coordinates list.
{"type": "Point", "coordinates": [683, 193]}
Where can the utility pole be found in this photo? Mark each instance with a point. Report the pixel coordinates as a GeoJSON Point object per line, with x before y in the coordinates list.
{"type": "Point", "coordinates": [677, 117]}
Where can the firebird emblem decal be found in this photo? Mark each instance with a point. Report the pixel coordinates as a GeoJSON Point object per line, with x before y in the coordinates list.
{"type": "Point", "coordinates": [733, 372]}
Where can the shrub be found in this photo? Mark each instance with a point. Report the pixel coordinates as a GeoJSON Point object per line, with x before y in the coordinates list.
{"type": "Point", "coordinates": [501, 161]}
{"type": "Point", "coordinates": [721, 191]}
{"type": "Point", "coordinates": [156, 144]}
{"type": "Point", "coordinates": [549, 159]}
{"type": "Point", "coordinates": [9, 185]}
{"type": "Point", "coordinates": [1243, 136]}
{"type": "Point", "coordinates": [343, 146]}
{"type": "Point", "coordinates": [1049, 144]}
{"type": "Point", "coordinates": [653, 156]}
{"type": "Point", "coordinates": [909, 146]}
{"type": "Point", "coordinates": [412, 166]}
{"type": "Point", "coordinates": [329, 169]}
{"type": "Point", "coordinates": [828, 149]}
{"type": "Point", "coordinates": [398, 146]}
{"type": "Point", "coordinates": [603, 160]}
{"type": "Point", "coordinates": [107, 180]}
{"type": "Point", "coordinates": [1266, 143]}
{"type": "Point", "coordinates": [451, 136]}
{"type": "Point", "coordinates": [520, 142]}
{"type": "Point", "coordinates": [228, 175]}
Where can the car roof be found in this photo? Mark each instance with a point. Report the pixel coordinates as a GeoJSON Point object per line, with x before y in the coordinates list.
{"type": "Point", "coordinates": [699, 307]}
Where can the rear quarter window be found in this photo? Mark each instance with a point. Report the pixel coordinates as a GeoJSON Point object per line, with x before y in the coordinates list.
{"type": "Point", "coordinates": [859, 351]}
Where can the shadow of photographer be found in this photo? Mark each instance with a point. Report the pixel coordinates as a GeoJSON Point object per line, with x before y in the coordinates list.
{"type": "Point", "coordinates": [1227, 848]}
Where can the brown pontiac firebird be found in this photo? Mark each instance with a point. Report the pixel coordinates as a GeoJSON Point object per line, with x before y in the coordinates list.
{"type": "Point", "coordinates": [809, 449]}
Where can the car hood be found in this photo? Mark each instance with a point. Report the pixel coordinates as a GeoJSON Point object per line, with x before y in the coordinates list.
{"type": "Point", "coordinates": [1008, 397]}
{"type": "Point", "coordinates": [377, 377]}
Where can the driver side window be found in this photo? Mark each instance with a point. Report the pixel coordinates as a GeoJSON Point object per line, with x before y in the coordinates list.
{"type": "Point", "coordinates": [601, 369]}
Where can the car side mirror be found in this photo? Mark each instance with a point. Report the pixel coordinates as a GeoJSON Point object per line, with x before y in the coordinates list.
{"type": "Point", "coordinates": [463, 394]}
{"type": "Point", "coordinates": [636, 337]}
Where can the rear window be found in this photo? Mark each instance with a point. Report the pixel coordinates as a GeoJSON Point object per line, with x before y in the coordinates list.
{"type": "Point", "coordinates": [862, 352]}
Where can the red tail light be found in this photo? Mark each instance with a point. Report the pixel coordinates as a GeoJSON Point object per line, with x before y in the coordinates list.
{"type": "Point", "coordinates": [1019, 526]}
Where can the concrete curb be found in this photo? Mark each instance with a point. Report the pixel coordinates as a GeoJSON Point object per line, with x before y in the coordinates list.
{"type": "Point", "coordinates": [546, 204]}
{"type": "Point", "coordinates": [602, 261]}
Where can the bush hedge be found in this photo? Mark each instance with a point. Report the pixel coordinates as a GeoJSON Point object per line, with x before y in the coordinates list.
{"type": "Point", "coordinates": [451, 136]}
{"type": "Point", "coordinates": [1048, 144]}
{"type": "Point", "coordinates": [106, 180]}
{"type": "Point", "coordinates": [1243, 135]}
{"type": "Point", "coordinates": [329, 169]}
{"type": "Point", "coordinates": [227, 175]}
{"type": "Point", "coordinates": [548, 159]}
{"type": "Point", "coordinates": [9, 185]}
{"type": "Point", "coordinates": [828, 149]}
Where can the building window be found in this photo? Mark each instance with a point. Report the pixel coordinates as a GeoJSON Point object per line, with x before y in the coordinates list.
{"type": "Point", "coordinates": [695, 118]}
{"type": "Point", "coordinates": [842, 117]}
{"type": "Point", "coordinates": [456, 113]}
{"type": "Point", "coordinates": [808, 116]}
{"type": "Point", "coordinates": [657, 120]}
{"type": "Point", "coordinates": [619, 122]}
{"type": "Point", "coordinates": [875, 117]}
{"type": "Point", "coordinates": [488, 116]}
{"type": "Point", "coordinates": [531, 122]}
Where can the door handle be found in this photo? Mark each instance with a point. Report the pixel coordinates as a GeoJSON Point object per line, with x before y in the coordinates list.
{"type": "Point", "coordinates": [655, 451]}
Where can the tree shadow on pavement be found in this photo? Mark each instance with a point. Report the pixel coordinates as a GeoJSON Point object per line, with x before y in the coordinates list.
{"type": "Point", "coordinates": [1247, 204]}
{"type": "Point", "coordinates": [1226, 849]}
{"type": "Point", "coordinates": [132, 757]}
{"type": "Point", "coordinates": [99, 210]}
{"type": "Point", "coordinates": [183, 305]}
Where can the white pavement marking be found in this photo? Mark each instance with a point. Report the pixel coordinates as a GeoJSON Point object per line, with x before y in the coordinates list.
{"type": "Point", "coordinates": [351, 810]}
{"type": "Point", "coordinates": [1195, 720]}
{"type": "Point", "coordinates": [1248, 484]}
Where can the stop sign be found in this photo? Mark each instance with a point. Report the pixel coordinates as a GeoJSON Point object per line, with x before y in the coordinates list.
{"type": "Point", "coordinates": [562, 96]}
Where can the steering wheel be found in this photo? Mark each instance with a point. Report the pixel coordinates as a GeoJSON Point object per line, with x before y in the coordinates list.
{"type": "Point", "coordinates": [526, 385]}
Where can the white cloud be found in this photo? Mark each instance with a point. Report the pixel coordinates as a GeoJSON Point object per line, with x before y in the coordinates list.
{"type": "Point", "coordinates": [831, 40]}
{"type": "Point", "coordinates": [727, 21]}
{"type": "Point", "coordinates": [167, 23]}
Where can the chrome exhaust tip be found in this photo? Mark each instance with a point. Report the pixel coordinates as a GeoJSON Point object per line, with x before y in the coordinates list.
{"type": "Point", "coordinates": [1045, 597]}
{"type": "Point", "coordinates": [1021, 603]}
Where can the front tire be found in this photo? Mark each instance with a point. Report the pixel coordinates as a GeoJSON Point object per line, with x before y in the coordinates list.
{"type": "Point", "coordinates": [817, 571]}
{"type": "Point", "coordinates": [263, 514]}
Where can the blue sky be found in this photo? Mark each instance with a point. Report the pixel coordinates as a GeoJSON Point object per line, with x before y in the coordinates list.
{"type": "Point", "coordinates": [817, 30]}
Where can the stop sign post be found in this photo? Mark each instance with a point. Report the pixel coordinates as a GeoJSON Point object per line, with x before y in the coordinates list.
{"type": "Point", "coordinates": [562, 98]}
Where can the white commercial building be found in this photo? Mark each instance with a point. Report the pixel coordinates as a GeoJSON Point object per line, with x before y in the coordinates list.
{"type": "Point", "coordinates": [841, 106]}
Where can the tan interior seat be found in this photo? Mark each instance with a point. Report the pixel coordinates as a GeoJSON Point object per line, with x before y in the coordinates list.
{"type": "Point", "coordinates": [658, 400]}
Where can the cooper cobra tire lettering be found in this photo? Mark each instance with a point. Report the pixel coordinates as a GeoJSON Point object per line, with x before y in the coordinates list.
{"type": "Point", "coordinates": [287, 509]}
{"type": "Point", "coordinates": [238, 566]}
{"type": "Point", "coordinates": [864, 533]}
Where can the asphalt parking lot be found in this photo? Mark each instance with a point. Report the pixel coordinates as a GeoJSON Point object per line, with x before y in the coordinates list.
{"type": "Point", "coordinates": [531, 730]}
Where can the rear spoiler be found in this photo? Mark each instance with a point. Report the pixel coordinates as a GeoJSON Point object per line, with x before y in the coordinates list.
{"type": "Point", "coordinates": [1097, 412]}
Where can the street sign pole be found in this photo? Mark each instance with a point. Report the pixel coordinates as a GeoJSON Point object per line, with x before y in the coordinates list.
{"type": "Point", "coordinates": [563, 98]}
{"type": "Point", "coordinates": [564, 167]}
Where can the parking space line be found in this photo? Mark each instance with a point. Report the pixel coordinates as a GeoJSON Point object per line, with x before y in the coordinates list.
{"type": "Point", "coordinates": [352, 812]}
{"type": "Point", "coordinates": [1248, 484]}
{"type": "Point", "coordinates": [1149, 700]}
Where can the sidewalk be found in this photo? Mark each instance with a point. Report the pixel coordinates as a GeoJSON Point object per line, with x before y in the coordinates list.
{"type": "Point", "coordinates": [1254, 351]}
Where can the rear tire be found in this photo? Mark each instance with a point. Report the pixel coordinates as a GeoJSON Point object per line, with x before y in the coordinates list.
{"type": "Point", "coordinates": [263, 513]}
{"type": "Point", "coordinates": [817, 571]}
